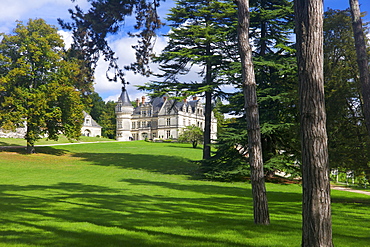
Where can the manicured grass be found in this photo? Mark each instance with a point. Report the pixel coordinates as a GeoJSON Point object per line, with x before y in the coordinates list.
{"type": "Point", "coordinates": [44, 141]}
{"type": "Point", "coordinates": [148, 194]}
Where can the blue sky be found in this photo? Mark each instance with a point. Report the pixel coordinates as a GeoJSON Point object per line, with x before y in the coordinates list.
{"type": "Point", "coordinates": [50, 10]}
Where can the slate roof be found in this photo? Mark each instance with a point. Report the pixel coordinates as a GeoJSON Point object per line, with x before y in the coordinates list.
{"type": "Point", "coordinates": [93, 122]}
{"type": "Point", "coordinates": [124, 98]}
{"type": "Point", "coordinates": [158, 102]}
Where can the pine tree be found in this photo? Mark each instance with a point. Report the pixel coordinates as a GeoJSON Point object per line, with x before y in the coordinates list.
{"type": "Point", "coordinates": [200, 32]}
{"type": "Point", "coordinates": [347, 134]}
{"type": "Point", "coordinates": [362, 59]}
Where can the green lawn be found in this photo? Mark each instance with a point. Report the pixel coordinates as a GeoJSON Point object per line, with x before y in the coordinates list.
{"type": "Point", "coordinates": [44, 141]}
{"type": "Point", "coordinates": [148, 194]}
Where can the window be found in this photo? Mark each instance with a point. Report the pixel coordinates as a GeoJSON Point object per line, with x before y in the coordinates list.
{"type": "Point", "coordinates": [168, 133]}
{"type": "Point", "coordinates": [134, 125]}
{"type": "Point", "coordinates": [168, 121]}
{"type": "Point", "coordinates": [119, 124]}
{"type": "Point", "coordinates": [87, 121]}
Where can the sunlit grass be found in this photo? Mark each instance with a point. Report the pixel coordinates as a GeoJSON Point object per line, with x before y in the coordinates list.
{"type": "Point", "coordinates": [148, 194]}
{"type": "Point", "coordinates": [45, 141]}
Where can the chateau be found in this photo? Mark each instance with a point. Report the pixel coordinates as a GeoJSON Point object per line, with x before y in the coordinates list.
{"type": "Point", "coordinates": [160, 118]}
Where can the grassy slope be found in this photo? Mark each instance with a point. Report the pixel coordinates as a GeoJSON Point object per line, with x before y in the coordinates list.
{"type": "Point", "coordinates": [144, 194]}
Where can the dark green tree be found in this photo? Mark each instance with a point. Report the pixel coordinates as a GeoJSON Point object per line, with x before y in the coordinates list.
{"type": "Point", "coordinates": [108, 120]}
{"type": "Point", "coordinates": [39, 84]}
{"type": "Point", "coordinates": [348, 139]}
{"type": "Point", "coordinates": [362, 59]}
{"type": "Point", "coordinates": [272, 25]}
{"type": "Point", "coordinates": [200, 35]}
{"type": "Point", "coordinates": [275, 69]}
{"type": "Point", "coordinates": [96, 107]}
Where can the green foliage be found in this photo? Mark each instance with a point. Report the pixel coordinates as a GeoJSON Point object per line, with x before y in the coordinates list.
{"type": "Point", "coordinates": [275, 69]}
{"type": "Point", "coordinates": [191, 134]}
{"type": "Point", "coordinates": [229, 163]}
{"type": "Point", "coordinates": [104, 114]}
{"type": "Point", "coordinates": [39, 85]}
{"type": "Point", "coordinates": [200, 35]}
{"type": "Point", "coordinates": [97, 106]}
{"type": "Point", "coordinates": [108, 120]}
{"type": "Point", "coordinates": [348, 139]}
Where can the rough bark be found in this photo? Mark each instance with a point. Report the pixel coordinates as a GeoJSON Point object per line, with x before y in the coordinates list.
{"type": "Point", "coordinates": [208, 108]}
{"type": "Point", "coordinates": [260, 204]}
{"type": "Point", "coordinates": [30, 149]}
{"type": "Point", "coordinates": [207, 126]}
{"type": "Point", "coordinates": [316, 208]}
{"type": "Point", "coordinates": [362, 60]}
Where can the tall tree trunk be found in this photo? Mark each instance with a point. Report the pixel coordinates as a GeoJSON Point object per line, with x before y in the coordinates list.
{"type": "Point", "coordinates": [30, 149]}
{"type": "Point", "coordinates": [316, 209]}
{"type": "Point", "coordinates": [208, 108]}
{"type": "Point", "coordinates": [207, 126]}
{"type": "Point", "coordinates": [260, 205]}
{"type": "Point", "coordinates": [362, 59]}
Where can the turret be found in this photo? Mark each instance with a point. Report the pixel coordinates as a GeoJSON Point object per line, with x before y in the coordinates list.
{"type": "Point", "coordinates": [124, 110]}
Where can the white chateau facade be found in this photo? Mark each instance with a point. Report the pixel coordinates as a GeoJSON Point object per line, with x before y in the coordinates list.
{"type": "Point", "coordinates": [160, 118]}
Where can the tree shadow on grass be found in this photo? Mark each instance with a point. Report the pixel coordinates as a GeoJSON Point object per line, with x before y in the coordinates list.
{"type": "Point", "coordinates": [6, 144]}
{"type": "Point", "coordinates": [77, 214]}
{"type": "Point", "coordinates": [43, 150]}
{"type": "Point", "coordinates": [152, 163]}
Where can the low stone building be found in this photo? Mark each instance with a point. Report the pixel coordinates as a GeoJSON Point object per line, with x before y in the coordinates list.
{"type": "Point", "coordinates": [90, 127]}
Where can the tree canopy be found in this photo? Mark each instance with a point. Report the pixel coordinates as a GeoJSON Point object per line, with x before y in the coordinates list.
{"type": "Point", "coordinates": [39, 84]}
{"type": "Point", "coordinates": [191, 134]}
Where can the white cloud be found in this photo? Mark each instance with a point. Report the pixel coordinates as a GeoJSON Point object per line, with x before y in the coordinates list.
{"type": "Point", "coordinates": [109, 90]}
{"type": "Point", "coordinates": [22, 10]}
{"type": "Point", "coordinates": [67, 37]}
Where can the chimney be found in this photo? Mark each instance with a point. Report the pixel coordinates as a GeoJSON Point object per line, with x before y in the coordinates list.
{"type": "Point", "coordinates": [164, 98]}
{"type": "Point", "coordinates": [143, 100]}
{"type": "Point", "coordinates": [195, 98]}
{"type": "Point", "coordinates": [185, 100]}
{"type": "Point", "coordinates": [137, 102]}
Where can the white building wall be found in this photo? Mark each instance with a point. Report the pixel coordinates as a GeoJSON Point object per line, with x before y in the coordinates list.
{"type": "Point", "coordinates": [124, 123]}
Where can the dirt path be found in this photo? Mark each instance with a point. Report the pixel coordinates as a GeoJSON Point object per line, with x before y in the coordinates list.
{"type": "Point", "coordinates": [335, 187]}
